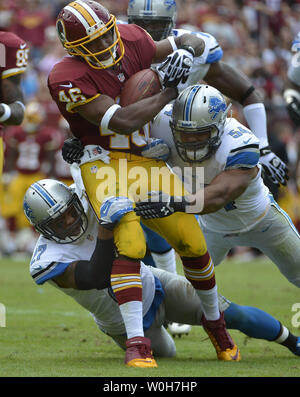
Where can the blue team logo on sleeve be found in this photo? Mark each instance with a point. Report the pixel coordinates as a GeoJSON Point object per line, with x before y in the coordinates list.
{"type": "Point", "coordinates": [216, 106]}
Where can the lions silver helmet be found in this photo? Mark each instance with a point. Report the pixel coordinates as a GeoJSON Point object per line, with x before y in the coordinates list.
{"type": "Point", "coordinates": [157, 17]}
{"type": "Point", "coordinates": [55, 211]}
{"type": "Point", "coordinates": [197, 124]}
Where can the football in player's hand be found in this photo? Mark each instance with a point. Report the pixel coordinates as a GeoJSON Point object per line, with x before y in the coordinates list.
{"type": "Point", "coordinates": [141, 85]}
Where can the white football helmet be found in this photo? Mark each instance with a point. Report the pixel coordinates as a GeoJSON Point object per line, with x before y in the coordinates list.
{"type": "Point", "coordinates": [197, 124]}
{"type": "Point", "coordinates": [157, 17]}
{"type": "Point", "coordinates": [47, 203]}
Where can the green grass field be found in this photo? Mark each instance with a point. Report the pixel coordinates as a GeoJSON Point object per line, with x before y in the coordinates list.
{"type": "Point", "coordinates": [47, 334]}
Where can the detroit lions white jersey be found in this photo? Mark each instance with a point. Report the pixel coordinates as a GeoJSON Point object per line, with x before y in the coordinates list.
{"type": "Point", "coordinates": [239, 149]}
{"type": "Point", "coordinates": [51, 259]}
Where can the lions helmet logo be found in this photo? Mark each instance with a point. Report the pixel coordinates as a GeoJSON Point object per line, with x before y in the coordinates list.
{"type": "Point", "coordinates": [216, 106]}
{"type": "Point", "coordinates": [28, 211]}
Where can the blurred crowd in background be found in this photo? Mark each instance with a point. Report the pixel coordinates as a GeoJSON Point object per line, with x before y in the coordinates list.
{"type": "Point", "coordinates": [256, 37]}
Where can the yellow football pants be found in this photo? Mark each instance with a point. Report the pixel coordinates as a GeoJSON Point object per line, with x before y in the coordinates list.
{"type": "Point", "coordinates": [1, 157]}
{"type": "Point", "coordinates": [1, 171]}
{"type": "Point", "coordinates": [13, 199]}
{"type": "Point", "coordinates": [133, 176]}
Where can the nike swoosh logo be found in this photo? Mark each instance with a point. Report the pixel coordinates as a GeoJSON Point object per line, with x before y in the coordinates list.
{"type": "Point", "coordinates": [245, 142]}
{"type": "Point", "coordinates": [235, 357]}
{"type": "Point", "coordinates": [66, 85]}
{"type": "Point", "coordinates": [23, 45]}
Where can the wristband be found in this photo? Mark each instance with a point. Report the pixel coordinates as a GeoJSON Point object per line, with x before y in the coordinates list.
{"type": "Point", "coordinates": [247, 94]}
{"type": "Point", "coordinates": [7, 112]}
{"type": "Point", "coordinates": [107, 117]}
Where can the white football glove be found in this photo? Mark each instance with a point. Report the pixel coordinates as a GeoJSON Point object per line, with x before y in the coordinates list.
{"type": "Point", "coordinates": [275, 169]}
{"type": "Point", "coordinates": [156, 149]}
{"type": "Point", "coordinates": [113, 209]}
{"type": "Point", "coordinates": [176, 68]}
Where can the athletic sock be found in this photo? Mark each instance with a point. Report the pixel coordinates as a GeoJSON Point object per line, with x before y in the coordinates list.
{"type": "Point", "coordinates": [287, 339]}
{"type": "Point", "coordinates": [200, 273]}
{"type": "Point", "coordinates": [165, 260]}
{"type": "Point", "coordinates": [126, 284]}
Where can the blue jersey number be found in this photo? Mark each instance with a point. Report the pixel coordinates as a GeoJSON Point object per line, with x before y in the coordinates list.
{"type": "Point", "coordinates": [38, 253]}
{"type": "Point", "coordinates": [239, 131]}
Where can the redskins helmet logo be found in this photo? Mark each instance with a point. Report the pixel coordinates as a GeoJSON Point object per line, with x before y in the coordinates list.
{"type": "Point", "coordinates": [61, 31]}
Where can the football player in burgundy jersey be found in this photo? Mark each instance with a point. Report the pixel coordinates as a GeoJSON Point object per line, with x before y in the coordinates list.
{"type": "Point", "coordinates": [86, 86]}
{"type": "Point", "coordinates": [13, 62]}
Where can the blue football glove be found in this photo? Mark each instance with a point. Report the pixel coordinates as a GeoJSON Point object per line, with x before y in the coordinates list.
{"type": "Point", "coordinates": [156, 149]}
{"type": "Point", "coordinates": [113, 209]}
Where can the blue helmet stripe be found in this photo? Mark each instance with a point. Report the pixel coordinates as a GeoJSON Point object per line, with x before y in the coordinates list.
{"type": "Point", "coordinates": [148, 5]}
{"type": "Point", "coordinates": [44, 193]}
{"type": "Point", "coordinates": [189, 101]}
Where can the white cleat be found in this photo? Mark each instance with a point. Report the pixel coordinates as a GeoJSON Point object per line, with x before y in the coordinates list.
{"type": "Point", "coordinates": [179, 329]}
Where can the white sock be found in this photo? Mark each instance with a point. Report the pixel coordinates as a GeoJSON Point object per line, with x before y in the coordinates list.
{"type": "Point", "coordinates": [132, 313]}
{"type": "Point", "coordinates": [255, 115]}
{"type": "Point", "coordinates": [165, 261]}
{"type": "Point", "coordinates": [209, 302]}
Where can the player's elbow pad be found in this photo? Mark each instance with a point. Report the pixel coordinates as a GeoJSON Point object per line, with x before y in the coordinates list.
{"type": "Point", "coordinates": [95, 273]}
{"type": "Point", "coordinates": [292, 99]}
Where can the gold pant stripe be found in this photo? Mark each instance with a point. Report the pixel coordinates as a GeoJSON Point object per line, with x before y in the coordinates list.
{"type": "Point", "coordinates": [122, 288]}
{"type": "Point", "coordinates": [203, 271]}
{"type": "Point", "coordinates": [200, 278]}
{"type": "Point", "coordinates": [131, 280]}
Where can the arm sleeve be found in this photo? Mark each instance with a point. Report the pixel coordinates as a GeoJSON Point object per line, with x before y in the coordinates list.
{"type": "Point", "coordinates": [95, 273]}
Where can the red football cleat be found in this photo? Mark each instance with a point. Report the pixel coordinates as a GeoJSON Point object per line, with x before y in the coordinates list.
{"type": "Point", "coordinates": [138, 353]}
{"type": "Point", "coordinates": [225, 347]}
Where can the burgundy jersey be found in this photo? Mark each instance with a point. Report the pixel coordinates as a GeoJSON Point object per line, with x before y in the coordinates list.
{"type": "Point", "coordinates": [13, 57]}
{"type": "Point", "coordinates": [31, 148]}
{"type": "Point", "coordinates": [72, 82]}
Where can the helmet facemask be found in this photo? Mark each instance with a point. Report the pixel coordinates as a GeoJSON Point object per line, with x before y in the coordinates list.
{"type": "Point", "coordinates": [198, 121]}
{"type": "Point", "coordinates": [55, 211]}
{"type": "Point", "coordinates": [55, 228]}
{"type": "Point", "coordinates": [196, 150]}
{"type": "Point", "coordinates": [159, 28]}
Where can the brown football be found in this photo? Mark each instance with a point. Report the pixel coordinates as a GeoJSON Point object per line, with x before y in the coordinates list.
{"type": "Point", "coordinates": [141, 85]}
